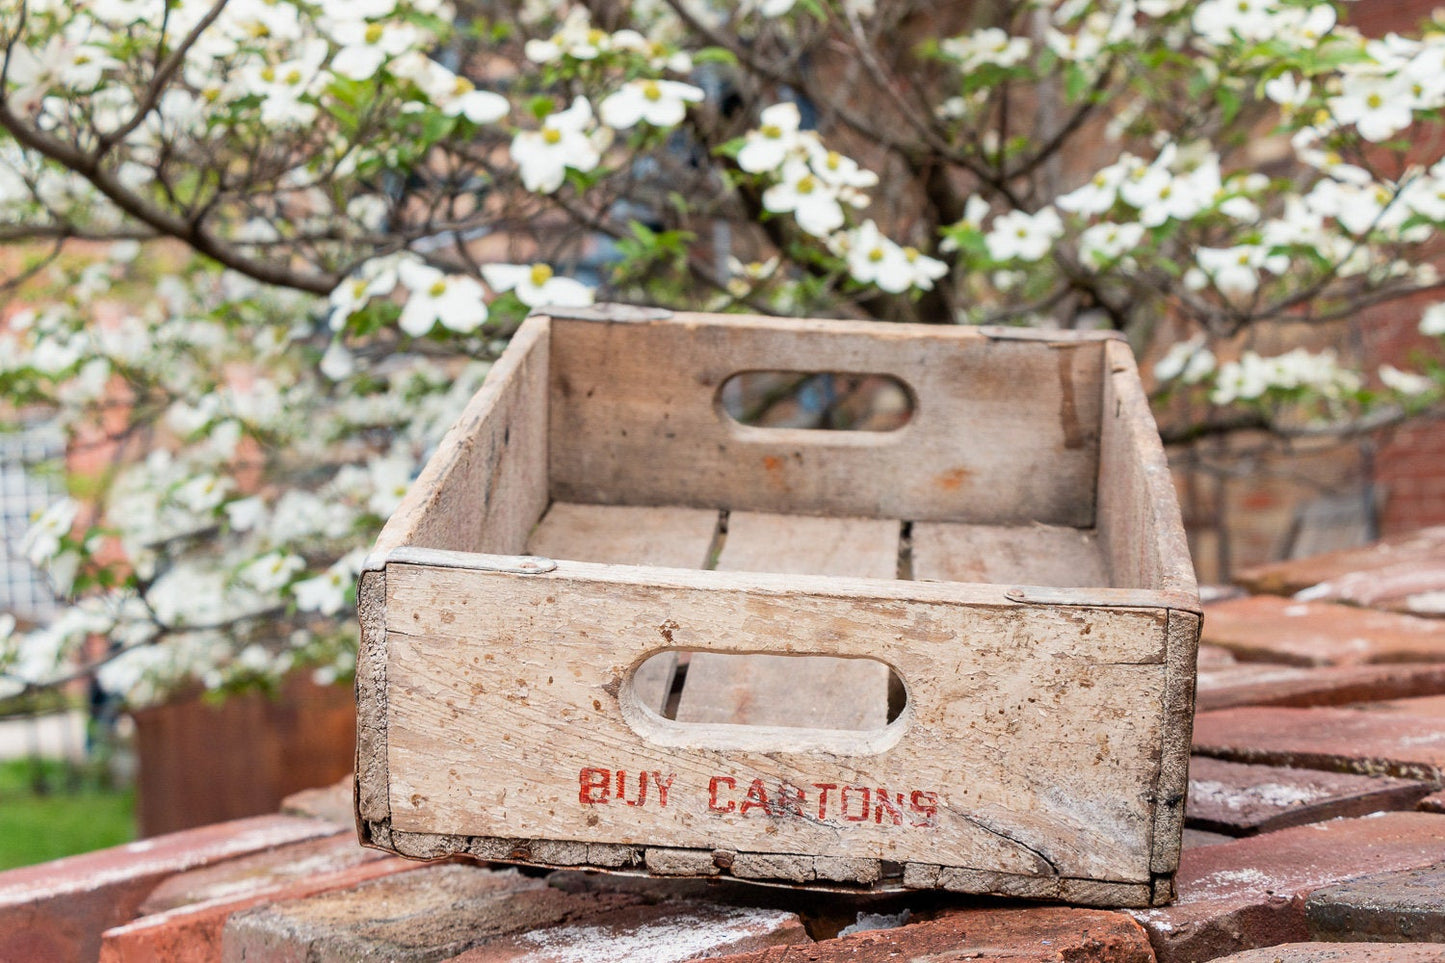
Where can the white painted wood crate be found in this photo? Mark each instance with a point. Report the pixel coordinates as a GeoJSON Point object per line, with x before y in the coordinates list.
{"type": "Point", "coordinates": [1014, 555]}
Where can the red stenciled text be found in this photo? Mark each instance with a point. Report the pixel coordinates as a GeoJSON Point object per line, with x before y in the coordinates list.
{"type": "Point", "coordinates": [823, 801]}
{"type": "Point", "coordinates": [835, 803]}
{"type": "Point", "coordinates": [605, 786]}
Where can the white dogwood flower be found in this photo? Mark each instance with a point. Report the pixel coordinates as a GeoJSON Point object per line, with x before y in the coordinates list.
{"type": "Point", "coordinates": [1404, 382]}
{"type": "Point", "coordinates": [874, 259]}
{"type": "Point", "coordinates": [1027, 237]}
{"type": "Point", "coordinates": [455, 301]}
{"type": "Point", "coordinates": [543, 156]}
{"type": "Point", "coordinates": [812, 202]}
{"type": "Point", "coordinates": [1432, 321]}
{"type": "Point", "coordinates": [661, 103]}
{"type": "Point", "coordinates": [42, 539]}
{"type": "Point", "coordinates": [1378, 106]}
{"type": "Point", "coordinates": [536, 285]}
{"type": "Point", "coordinates": [776, 137]}
{"type": "Point", "coordinates": [1102, 245]}
{"type": "Point", "coordinates": [271, 571]}
{"type": "Point", "coordinates": [366, 46]}
{"type": "Point", "coordinates": [987, 46]}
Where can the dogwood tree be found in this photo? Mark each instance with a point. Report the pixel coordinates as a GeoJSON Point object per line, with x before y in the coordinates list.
{"type": "Point", "coordinates": [319, 218]}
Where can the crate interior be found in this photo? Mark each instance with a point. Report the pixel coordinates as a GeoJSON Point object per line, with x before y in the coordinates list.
{"type": "Point", "coordinates": [1022, 461]}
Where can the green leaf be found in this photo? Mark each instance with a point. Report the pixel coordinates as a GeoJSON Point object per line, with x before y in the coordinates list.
{"type": "Point", "coordinates": [714, 55]}
{"type": "Point", "coordinates": [1076, 82]}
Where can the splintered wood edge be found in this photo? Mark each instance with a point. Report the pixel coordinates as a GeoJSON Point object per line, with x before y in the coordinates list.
{"type": "Point", "coordinates": [372, 789]}
{"type": "Point", "coordinates": [614, 313]}
{"type": "Point", "coordinates": [827, 873]}
{"type": "Point", "coordinates": [1181, 647]}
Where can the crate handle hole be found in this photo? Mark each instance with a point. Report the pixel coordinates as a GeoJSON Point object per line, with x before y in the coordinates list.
{"type": "Point", "coordinates": [790, 691]}
{"type": "Point", "coordinates": [817, 400]}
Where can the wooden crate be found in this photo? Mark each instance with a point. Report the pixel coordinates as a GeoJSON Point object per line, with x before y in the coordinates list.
{"type": "Point", "coordinates": [1012, 557]}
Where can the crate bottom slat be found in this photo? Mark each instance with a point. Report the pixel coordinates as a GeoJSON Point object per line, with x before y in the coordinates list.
{"type": "Point", "coordinates": [841, 874]}
{"type": "Point", "coordinates": [1052, 555]}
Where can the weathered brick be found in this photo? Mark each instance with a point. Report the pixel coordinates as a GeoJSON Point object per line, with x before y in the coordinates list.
{"type": "Point", "coordinates": [332, 802]}
{"type": "Point", "coordinates": [433, 913]}
{"type": "Point", "coordinates": [1250, 892]}
{"type": "Point", "coordinates": [1265, 684]}
{"type": "Point", "coordinates": [58, 910]}
{"type": "Point", "coordinates": [1410, 587]}
{"type": "Point", "coordinates": [1342, 953]}
{"type": "Point", "coordinates": [439, 912]}
{"type": "Point", "coordinates": [1402, 738]}
{"type": "Point", "coordinates": [1273, 629]}
{"type": "Point", "coordinates": [183, 917]}
{"type": "Point", "coordinates": [1287, 578]}
{"type": "Point", "coordinates": [1406, 906]}
{"type": "Point", "coordinates": [661, 933]}
{"type": "Point", "coordinates": [1241, 799]}
{"type": "Point", "coordinates": [194, 931]}
{"type": "Point", "coordinates": [1017, 935]}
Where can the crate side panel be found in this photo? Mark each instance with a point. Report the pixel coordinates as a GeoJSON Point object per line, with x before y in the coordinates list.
{"type": "Point", "coordinates": [1050, 555]}
{"type": "Point", "coordinates": [372, 790]}
{"type": "Point", "coordinates": [1179, 687]}
{"type": "Point", "coordinates": [486, 485]}
{"type": "Point", "coordinates": [1140, 526]}
{"type": "Point", "coordinates": [1030, 744]}
{"type": "Point", "coordinates": [765, 690]}
{"type": "Point", "coordinates": [635, 420]}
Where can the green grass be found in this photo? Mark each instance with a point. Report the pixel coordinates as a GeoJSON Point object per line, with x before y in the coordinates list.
{"type": "Point", "coordinates": [74, 812]}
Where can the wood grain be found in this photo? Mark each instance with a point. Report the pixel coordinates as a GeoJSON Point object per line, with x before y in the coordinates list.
{"type": "Point", "coordinates": [1052, 555]}
{"type": "Point", "coordinates": [635, 420]}
{"type": "Point", "coordinates": [770, 690]}
{"type": "Point", "coordinates": [630, 535]}
{"type": "Point", "coordinates": [1038, 727]}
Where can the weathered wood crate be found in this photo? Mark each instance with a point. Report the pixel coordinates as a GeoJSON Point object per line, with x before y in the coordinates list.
{"type": "Point", "coordinates": [612, 627]}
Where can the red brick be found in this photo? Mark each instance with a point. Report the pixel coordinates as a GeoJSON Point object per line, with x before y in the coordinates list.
{"type": "Point", "coordinates": [1342, 953]}
{"type": "Point", "coordinates": [1404, 906]}
{"type": "Point", "coordinates": [1267, 684]}
{"type": "Point", "coordinates": [661, 933]}
{"type": "Point", "coordinates": [1387, 738]}
{"type": "Point", "coordinates": [1251, 892]}
{"type": "Point", "coordinates": [438, 912]}
{"type": "Point", "coordinates": [1016, 935]}
{"type": "Point", "coordinates": [1272, 629]}
{"type": "Point", "coordinates": [1200, 837]}
{"type": "Point", "coordinates": [58, 910]}
{"type": "Point", "coordinates": [184, 916]}
{"type": "Point", "coordinates": [1241, 800]}
{"type": "Point", "coordinates": [1286, 578]}
{"type": "Point", "coordinates": [332, 802]}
